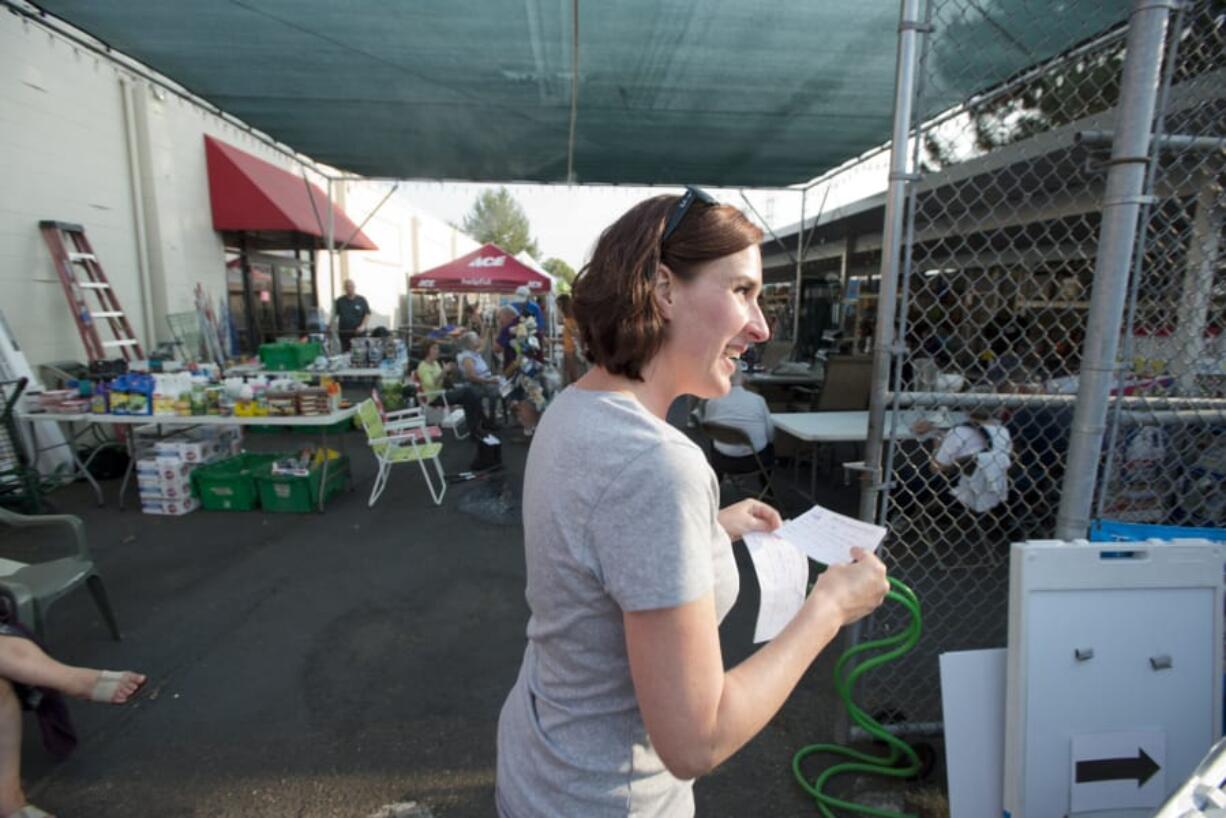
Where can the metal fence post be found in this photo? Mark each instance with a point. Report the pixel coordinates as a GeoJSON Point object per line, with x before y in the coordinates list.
{"type": "Point", "coordinates": [909, 28]}
{"type": "Point", "coordinates": [1121, 204]}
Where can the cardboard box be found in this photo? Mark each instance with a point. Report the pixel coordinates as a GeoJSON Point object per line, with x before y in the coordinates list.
{"type": "Point", "coordinates": [169, 507]}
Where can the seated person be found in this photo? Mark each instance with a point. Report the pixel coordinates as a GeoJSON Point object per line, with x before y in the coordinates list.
{"type": "Point", "coordinates": [430, 374]}
{"type": "Point", "coordinates": [473, 368]}
{"type": "Point", "coordinates": [747, 411]}
{"type": "Point", "coordinates": [24, 665]}
{"type": "Point", "coordinates": [982, 484]}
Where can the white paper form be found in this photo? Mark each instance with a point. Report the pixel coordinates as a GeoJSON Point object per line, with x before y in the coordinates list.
{"type": "Point", "coordinates": [779, 558]}
{"type": "Point", "coordinates": [783, 572]}
{"type": "Point", "coordinates": [828, 537]}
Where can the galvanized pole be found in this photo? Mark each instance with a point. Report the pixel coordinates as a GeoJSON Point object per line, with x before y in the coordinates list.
{"type": "Point", "coordinates": [1121, 202]}
{"type": "Point", "coordinates": [909, 28]}
{"type": "Point", "coordinates": [800, 260]}
{"type": "Point", "coordinates": [329, 240]}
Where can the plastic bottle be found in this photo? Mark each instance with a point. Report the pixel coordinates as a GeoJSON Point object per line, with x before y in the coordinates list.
{"type": "Point", "coordinates": [140, 395]}
{"type": "Point", "coordinates": [119, 395]}
{"type": "Point", "coordinates": [100, 401]}
{"type": "Point", "coordinates": [163, 399]}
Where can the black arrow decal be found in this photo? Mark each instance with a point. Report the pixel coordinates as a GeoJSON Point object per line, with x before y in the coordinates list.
{"type": "Point", "coordinates": [1142, 768]}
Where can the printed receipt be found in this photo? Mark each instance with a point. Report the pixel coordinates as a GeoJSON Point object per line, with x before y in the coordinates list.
{"type": "Point", "coordinates": [779, 559]}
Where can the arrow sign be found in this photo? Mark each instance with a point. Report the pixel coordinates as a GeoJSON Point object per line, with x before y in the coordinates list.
{"type": "Point", "coordinates": [1141, 767]}
{"type": "Point", "coordinates": [1123, 770]}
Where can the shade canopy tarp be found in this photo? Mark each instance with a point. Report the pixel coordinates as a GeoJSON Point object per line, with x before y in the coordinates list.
{"type": "Point", "coordinates": [488, 269]}
{"type": "Point", "coordinates": [719, 92]}
{"type": "Point", "coordinates": [249, 195]}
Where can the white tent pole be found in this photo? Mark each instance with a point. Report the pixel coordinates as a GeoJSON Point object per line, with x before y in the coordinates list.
{"type": "Point", "coordinates": [409, 290]}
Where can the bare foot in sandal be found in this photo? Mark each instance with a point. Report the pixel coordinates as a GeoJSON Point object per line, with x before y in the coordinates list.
{"type": "Point", "coordinates": [30, 811]}
{"type": "Point", "coordinates": [115, 686]}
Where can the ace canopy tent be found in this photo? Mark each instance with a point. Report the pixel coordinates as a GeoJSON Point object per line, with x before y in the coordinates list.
{"type": "Point", "coordinates": [488, 269]}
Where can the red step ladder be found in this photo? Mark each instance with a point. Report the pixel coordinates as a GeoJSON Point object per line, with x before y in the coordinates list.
{"type": "Point", "coordinates": [81, 275]}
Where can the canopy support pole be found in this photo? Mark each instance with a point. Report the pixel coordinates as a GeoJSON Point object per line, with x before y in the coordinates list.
{"type": "Point", "coordinates": [330, 239]}
{"type": "Point", "coordinates": [369, 216]}
{"type": "Point", "coordinates": [774, 236]}
{"type": "Point", "coordinates": [800, 261]}
{"type": "Point", "coordinates": [574, 91]}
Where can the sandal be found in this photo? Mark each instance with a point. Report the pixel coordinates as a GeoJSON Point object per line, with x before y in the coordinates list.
{"type": "Point", "coordinates": [31, 811]}
{"type": "Point", "coordinates": [104, 691]}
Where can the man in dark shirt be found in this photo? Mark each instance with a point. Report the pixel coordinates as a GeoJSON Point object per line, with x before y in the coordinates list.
{"type": "Point", "coordinates": [350, 314]}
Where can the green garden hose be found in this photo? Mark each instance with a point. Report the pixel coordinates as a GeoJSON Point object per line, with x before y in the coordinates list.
{"type": "Point", "coordinates": [901, 761]}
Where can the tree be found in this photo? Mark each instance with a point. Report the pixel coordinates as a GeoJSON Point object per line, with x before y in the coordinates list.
{"type": "Point", "coordinates": [496, 218]}
{"type": "Point", "coordinates": [563, 273]}
{"type": "Point", "coordinates": [558, 268]}
{"type": "Point", "coordinates": [1068, 89]}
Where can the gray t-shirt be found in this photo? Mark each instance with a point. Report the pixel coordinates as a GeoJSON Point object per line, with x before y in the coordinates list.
{"type": "Point", "coordinates": [619, 515]}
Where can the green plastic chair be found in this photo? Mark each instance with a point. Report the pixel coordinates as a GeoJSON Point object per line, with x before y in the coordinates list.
{"type": "Point", "coordinates": [36, 586]}
{"type": "Point", "coordinates": [403, 441]}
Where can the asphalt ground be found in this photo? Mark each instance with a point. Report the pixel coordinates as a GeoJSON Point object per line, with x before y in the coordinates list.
{"type": "Point", "coordinates": [339, 664]}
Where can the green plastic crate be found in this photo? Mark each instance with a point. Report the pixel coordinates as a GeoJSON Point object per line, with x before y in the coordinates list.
{"type": "Point", "coordinates": [333, 429]}
{"type": "Point", "coordinates": [229, 485]}
{"type": "Point", "coordinates": [292, 493]}
{"type": "Point", "coordinates": [282, 356]}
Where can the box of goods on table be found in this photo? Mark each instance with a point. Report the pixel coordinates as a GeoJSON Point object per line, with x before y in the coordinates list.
{"type": "Point", "coordinates": [164, 474]}
{"type": "Point", "coordinates": [291, 483]}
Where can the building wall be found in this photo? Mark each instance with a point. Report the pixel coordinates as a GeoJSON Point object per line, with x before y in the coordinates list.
{"type": "Point", "coordinates": [409, 241]}
{"type": "Point", "coordinates": [85, 140]}
{"type": "Point", "coordinates": [63, 156]}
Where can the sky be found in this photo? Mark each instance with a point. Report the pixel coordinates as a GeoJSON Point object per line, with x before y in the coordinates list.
{"type": "Point", "coordinates": [566, 220]}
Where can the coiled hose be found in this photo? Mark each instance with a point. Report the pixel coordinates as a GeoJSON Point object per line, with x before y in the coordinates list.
{"type": "Point", "coordinates": [892, 764]}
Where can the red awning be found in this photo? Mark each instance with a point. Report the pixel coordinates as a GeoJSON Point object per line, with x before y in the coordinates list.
{"type": "Point", "coordinates": [488, 269]}
{"type": "Point", "coordinates": [250, 195]}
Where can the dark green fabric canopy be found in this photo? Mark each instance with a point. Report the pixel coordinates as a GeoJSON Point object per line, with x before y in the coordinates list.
{"type": "Point", "coordinates": [719, 92]}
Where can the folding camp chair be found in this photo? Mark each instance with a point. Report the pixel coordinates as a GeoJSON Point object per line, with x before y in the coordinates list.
{"type": "Point", "coordinates": [446, 416]}
{"type": "Point", "coordinates": [406, 440]}
{"type": "Point", "coordinates": [732, 436]}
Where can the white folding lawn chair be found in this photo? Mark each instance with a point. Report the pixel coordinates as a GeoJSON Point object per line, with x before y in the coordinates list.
{"type": "Point", "coordinates": [404, 440]}
{"type": "Point", "coordinates": [445, 416]}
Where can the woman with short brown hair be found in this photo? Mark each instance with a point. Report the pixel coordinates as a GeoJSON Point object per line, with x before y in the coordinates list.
{"type": "Point", "coordinates": [621, 323]}
{"type": "Point", "coordinates": [622, 697]}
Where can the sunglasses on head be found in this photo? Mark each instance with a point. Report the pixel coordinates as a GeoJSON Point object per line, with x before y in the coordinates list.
{"type": "Point", "coordinates": [691, 195]}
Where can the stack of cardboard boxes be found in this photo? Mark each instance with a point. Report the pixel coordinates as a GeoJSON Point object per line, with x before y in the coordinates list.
{"type": "Point", "coordinates": [164, 476]}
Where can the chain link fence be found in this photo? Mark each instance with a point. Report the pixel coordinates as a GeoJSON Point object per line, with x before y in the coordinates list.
{"type": "Point", "coordinates": [1166, 450]}
{"type": "Point", "coordinates": [1000, 242]}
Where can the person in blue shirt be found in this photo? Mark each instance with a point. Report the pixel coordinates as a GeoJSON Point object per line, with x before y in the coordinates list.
{"type": "Point", "coordinates": [522, 363]}
{"type": "Point", "coordinates": [524, 305]}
